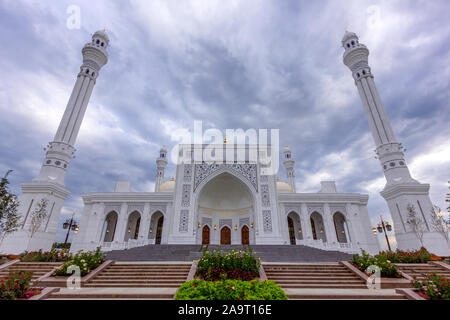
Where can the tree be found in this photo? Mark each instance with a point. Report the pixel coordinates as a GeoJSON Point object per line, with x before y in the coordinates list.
{"type": "Point", "coordinates": [38, 216]}
{"type": "Point", "coordinates": [416, 223]}
{"type": "Point", "coordinates": [440, 223]}
{"type": "Point", "coordinates": [9, 218]}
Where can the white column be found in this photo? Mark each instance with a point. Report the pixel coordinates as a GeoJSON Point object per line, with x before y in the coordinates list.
{"type": "Point", "coordinates": [121, 223]}
{"type": "Point", "coordinates": [306, 224]}
{"type": "Point", "coordinates": [329, 224]}
{"type": "Point", "coordinates": [349, 220]}
{"type": "Point", "coordinates": [145, 223]}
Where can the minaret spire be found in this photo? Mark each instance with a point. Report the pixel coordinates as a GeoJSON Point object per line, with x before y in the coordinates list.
{"type": "Point", "coordinates": [289, 163]}
{"type": "Point", "coordinates": [161, 163]}
{"type": "Point", "coordinates": [49, 184]}
{"type": "Point", "coordinates": [401, 189]}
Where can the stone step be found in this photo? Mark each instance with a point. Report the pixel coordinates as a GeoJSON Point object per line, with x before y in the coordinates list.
{"type": "Point", "coordinates": [114, 277]}
{"type": "Point", "coordinates": [144, 274]}
{"type": "Point", "coordinates": [300, 277]}
{"type": "Point", "coordinates": [316, 281]}
{"type": "Point", "coordinates": [113, 293]}
{"type": "Point", "coordinates": [126, 285]}
{"type": "Point", "coordinates": [346, 297]}
{"type": "Point", "coordinates": [294, 274]}
{"type": "Point", "coordinates": [137, 281]}
{"type": "Point", "coordinates": [325, 286]}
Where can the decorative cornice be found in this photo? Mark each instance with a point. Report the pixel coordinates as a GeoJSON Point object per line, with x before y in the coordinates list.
{"type": "Point", "coordinates": [128, 197]}
{"type": "Point", "coordinates": [331, 198]}
{"type": "Point", "coordinates": [52, 188]}
{"type": "Point", "coordinates": [396, 190]}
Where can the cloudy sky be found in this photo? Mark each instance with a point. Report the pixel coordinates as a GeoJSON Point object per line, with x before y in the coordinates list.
{"type": "Point", "coordinates": [232, 64]}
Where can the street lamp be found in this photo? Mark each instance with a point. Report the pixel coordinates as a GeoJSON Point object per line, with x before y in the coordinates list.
{"type": "Point", "coordinates": [70, 225]}
{"type": "Point", "coordinates": [385, 226]}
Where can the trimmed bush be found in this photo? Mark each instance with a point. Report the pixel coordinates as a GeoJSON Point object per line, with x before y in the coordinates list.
{"type": "Point", "coordinates": [433, 288]}
{"type": "Point", "coordinates": [230, 290]}
{"type": "Point", "coordinates": [49, 256]}
{"type": "Point", "coordinates": [400, 256]}
{"type": "Point", "coordinates": [387, 269]}
{"type": "Point", "coordinates": [86, 261]}
{"type": "Point", "coordinates": [242, 265]}
{"type": "Point", "coordinates": [17, 286]}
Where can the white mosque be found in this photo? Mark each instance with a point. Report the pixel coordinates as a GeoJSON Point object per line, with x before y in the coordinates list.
{"type": "Point", "coordinates": [223, 202]}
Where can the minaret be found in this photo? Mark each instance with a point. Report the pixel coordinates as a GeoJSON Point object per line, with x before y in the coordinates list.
{"type": "Point", "coordinates": [401, 189]}
{"type": "Point", "coordinates": [161, 163]}
{"type": "Point", "coordinates": [49, 184]}
{"type": "Point", "coordinates": [289, 165]}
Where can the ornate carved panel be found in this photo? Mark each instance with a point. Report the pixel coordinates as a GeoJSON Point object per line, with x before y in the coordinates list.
{"type": "Point", "coordinates": [317, 208]}
{"type": "Point", "coordinates": [225, 222]}
{"type": "Point", "coordinates": [265, 196]}
{"type": "Point", "coordinates": [245, 170]}
{"type": "Point", "coordinates": [244, 221]}
{"type": "Point", "coordinates": [184, 220]}
{"type": "Point", "coordinates": [207, 221]}
{"type": "Point", "coordinates": [112, 207]}
{"type": "Point", "coordinates": [135, 207]}
{"type": "Point", "coordinates": [267, 221]}
{"type": "Point", "coordinates": [341, 209]}
{"type": "Point", "coordinates": [158, 207]}
{"type": "Point", "coordinates": [187, 172]}
{"type": "Point", "coordinates": [186, 200]}
{"type": "Point", "coordinates": [288, 209]}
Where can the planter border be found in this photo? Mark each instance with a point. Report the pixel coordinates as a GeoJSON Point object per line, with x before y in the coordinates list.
{"type": "Point", "coordinates": [192, 271]}
{"type": "Point", "coordinates": [8, 264]}
{"type": "Point", "coordinates": [45, 293]}
{"type": "Point", "coordinates": [441, 264]}
{"type": "Point", "coordinates": [61, 282]}
{"type": "Point", "coordinates": [386, 283]}
{"type": "Point", "coordinates": [410, 294]}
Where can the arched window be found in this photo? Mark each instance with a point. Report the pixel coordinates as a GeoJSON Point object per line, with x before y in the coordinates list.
{"type": "Point", "coordinates": [109, 227]}
{"type": "Point", "coordinates": [340, 225]}
{"type": "Point", "coordinates": [134, 221]}
{"type": "Point", "coordinates": [87, 71]}
{"type": "Point", "coordinates": [318, 227]}
{"type": "Point", "coordinates": [98, 41]}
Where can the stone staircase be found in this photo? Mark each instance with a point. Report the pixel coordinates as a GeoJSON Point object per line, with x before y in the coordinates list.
{"type": "Point", "coordinates": [268, 253]}
{"type": "Point", "coordinates": [38, 268]}
{"type": "Point", "coordinates": [131, 281]}
{"type": "Point", "coordinates": [148, 275]}
{"type": "Point", "coordinates": [421, 270]}
{"type": "Point", "coordinates": [331, 281]}
{"type": "Point", "coordinates": [330, 275]}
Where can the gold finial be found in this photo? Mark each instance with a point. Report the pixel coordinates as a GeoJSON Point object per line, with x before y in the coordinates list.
{"type": "Point", "coordinates": [104, 30]}
{"type": "Point", "coordinates": [173, 179]}
{"type": "Point", "coordinates": [278, 179]}
{"type": "Point", "coordinates": [225, 140]}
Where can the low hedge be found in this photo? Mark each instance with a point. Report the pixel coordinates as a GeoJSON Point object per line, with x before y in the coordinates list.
{"type": "Point", "coordinates": [86, 261]}
{"type": "Point", "coordinates": [49, 256]}
{"type": "Point", "coordinates": [400, 256]}
{"type": "Point", "coordinates": [435, 287]}
{"type": "Point", "coordinates": [230, 290]}
{"type": "Point", "coordinates": [17, 286]}
{"type": "Point", "coordinates": [387, 269]}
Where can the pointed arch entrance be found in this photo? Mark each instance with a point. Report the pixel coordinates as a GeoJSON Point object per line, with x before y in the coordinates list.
{"type": "Point", "coordinates": [159, 228]}
{"type": "Point", "coordinates": [205, 235]}
{"type": "Point", "coordinates": [225, 236]}
{"type": "Point", "coordinates": [291, 231]}
{"type": "Point", "coordinates": [245, 235]}
{"type": "Point", "coordinates": [225, 199]}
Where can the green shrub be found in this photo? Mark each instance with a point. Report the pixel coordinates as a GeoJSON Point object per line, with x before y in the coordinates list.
{"type": "Point", "coordinates": [230, 290]}
{"type": "Point", "coordinates": [16, 285]}
{"type": "Point", "coordinates": [400, 256]}
{"type": "Point", "coordinates": [61, 245]}
{"type": "Point", "coordinates": [433, 288]}
{"type": "Point", "coordinates": [86, 261]}
{"type": "Point", "coordinates": [216, 265]}
{"type": "Point", "coordinates": [387, 269]}
{"type": "Point", "coordinates": [50, 256]}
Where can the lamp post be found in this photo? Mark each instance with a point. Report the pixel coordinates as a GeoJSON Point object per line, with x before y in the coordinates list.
{"type": "Point", "coordinates": [70, 224]}
{"type": "Point", "coordinates": [385, 226]}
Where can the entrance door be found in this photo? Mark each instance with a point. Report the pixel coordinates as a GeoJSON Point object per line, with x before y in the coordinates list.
{"type": "Point", "coordinates": [225, 236]}
{"type": "Point", "coordinates": [159, 230]}
{"type": "Point", "coordinates": [291, 230]}
{"type": "Point", "coordinates": [245, 235]}
{"type": "Point", "coordinates": [205, 235]}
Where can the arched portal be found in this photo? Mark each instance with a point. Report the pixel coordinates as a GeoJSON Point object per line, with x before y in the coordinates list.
{"type": "Point", "coordinates": [205, 235]}
{"type": "Point", "coordinates": [318, 227]}
{"type": "Point", "coordinates": [245, 235]}
{"type": "Point", "coordinates": [109, 227]}
{"type": "Point", "coordinates": [156, 227]}
{"type": "Point", "coordinates": [225, 200]}
{"type": "Point", "coordinates": [294, 227]}
{"type": "Point", "coordinates": [134, 221]}
{"type": "Point", "coordinates": [340, 225]}
{"type": "Point", "coordinates": [225, 235]}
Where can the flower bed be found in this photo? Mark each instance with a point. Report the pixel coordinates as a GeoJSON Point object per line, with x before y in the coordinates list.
{"type": "Point", "coordinates": [435, 287]}
{"type": "Point", "coordinates": [49, 256]}
{"type": "Point", "coordinates": [17, 286]}
{"type": "Point", "coordinates": [387, 269]}
{"type": "Point", "coordinates": [230, 290]}
{"type": "Point", "coordinates": [241, 265]}
{"type": "Point", "coordinates": [400, 256]}
{"type": "Point", "coordinates": [86, 261]}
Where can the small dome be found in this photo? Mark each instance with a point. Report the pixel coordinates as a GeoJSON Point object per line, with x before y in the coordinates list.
{"type": "Point", "coordinates": [286, 149]}
{"type": "Point", "coordinates": [283, 186]}
{"type": "Point", "coordinates": [349, 35]}
{"type": "Point", "coordinates": [163, 149]}
{"type": "Point", "coordinates": [102, 34]}
{"type": "Point", "coordinates": [168, 186]}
